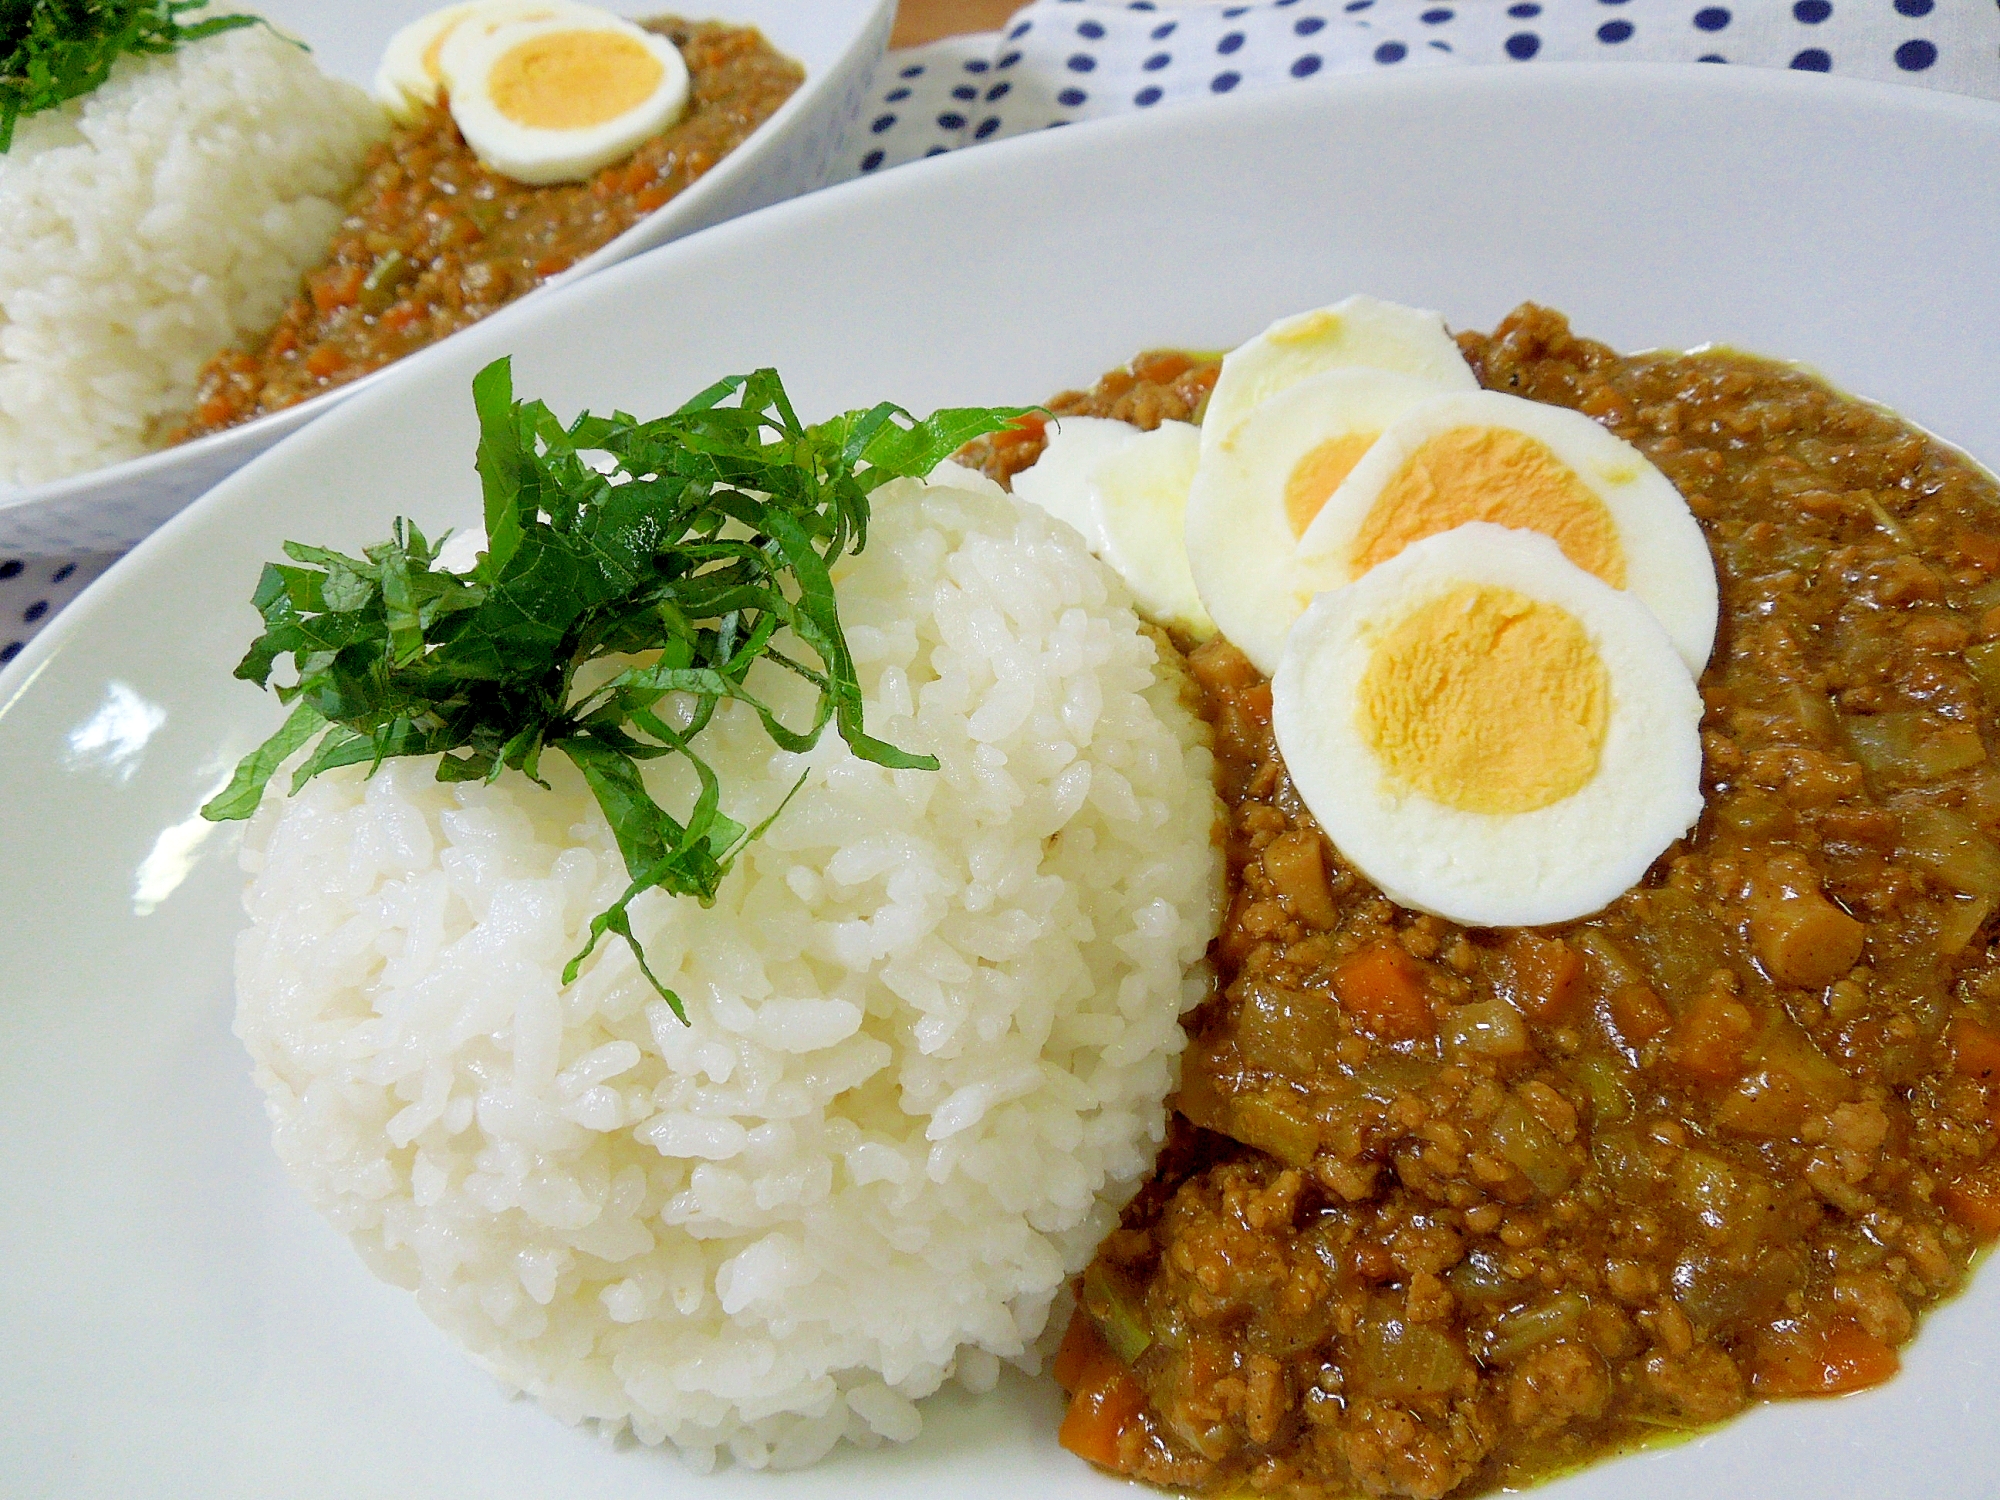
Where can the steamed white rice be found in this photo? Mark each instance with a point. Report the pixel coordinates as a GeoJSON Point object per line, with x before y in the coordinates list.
{"type": "Point", "coordinates": [935, 1016]}
{"type": "Point", "coordinates": [152, 223]}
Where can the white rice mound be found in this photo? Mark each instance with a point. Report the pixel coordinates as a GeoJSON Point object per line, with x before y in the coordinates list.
{"type": "Point", "coordinates": [152, 223]}
{"type": "Point", "coordinates": [934, 1017]}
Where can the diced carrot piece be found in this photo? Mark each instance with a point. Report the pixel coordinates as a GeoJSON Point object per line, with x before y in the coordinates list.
{"type": "Point", "coordinates": [1974, 1202]}
{"type": "Point", "coordinates": [1709, 1040]}
{"type": "Point", "coordinates": [325, 360]}
{"type": "Point", "coordinates": [1103, 1407]}
{"type": "Point", "coordinates": [1637, 1013]}
{"type": "Point", "coordinates": [335, 289]}
{"type": "Point", "coordinates": [1382, 987]}
{"type": "Point", "coordinates": [1975, 1050]}
{"type": "Point", "coordinates": [1548, 976]}
{"type": "Point", "coordinates": [1161, 366]}
{"type": "Point", "coordinates": [401, 316]}
{"type": "Point", "coordinates": [1796, 1359]}
{"type": "Point", "coordinates": [1082, 1348]}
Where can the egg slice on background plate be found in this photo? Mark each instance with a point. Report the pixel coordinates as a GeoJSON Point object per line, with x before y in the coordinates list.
{"type": "Point", "coordinates": [1356, 331]}
{"type": "Point", "coordinates": [1257, 491]}
{"type": "Point", "coordinates": [1488, 456]}
{"type": "Point", "coordinates": [1126, 490]}
{"type": "Point", "coordinates": [1488, 732]}
{"type": "Point", "coordinates": [553, 100]}
{"type": "Point", "coordinates": [411, 75]}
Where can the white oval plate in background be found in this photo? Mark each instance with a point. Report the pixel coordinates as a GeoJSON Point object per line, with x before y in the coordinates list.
{"type": "Point", "coordinates": [798, 149]}
{"type": "Point", "coordinates": [178, 1323]}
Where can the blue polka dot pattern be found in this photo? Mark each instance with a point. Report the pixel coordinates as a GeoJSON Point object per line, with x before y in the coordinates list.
{"type": "Point", "coordinates": [1230, 43]}
{"type": "Point", "coordinates": [11, 568]}
{"type": "Point", "coordinates": [1714, 18]}
{"type": "Point", "coordinates": [1157, 61]}
{"type": "Point", "coordinates": [1811, 12]}
{"type": "Point", "coordinates": [1712, 57]}
{"type": "Point", "coordinates": [1082, 62]}
{"type": "Point", "coordinates": [1813, 60]}
{"type": "Point", "coordinates": [34, 611]}
{"type": "Point", "coordinates": [1222, 83]}
{"type": "Point", "coordinates": [914, 71]}
{"type": "Point", "coordinates": [1008, 60]}
{"type": "Point", "coordinates": [1614, 32]}
{"type": "Point", "coordinates": [1071, 98]}
{"type": "Point", "coordinates": [1526, 11]}
{"type": "Point", "coordinates": [976, 65]}
{"type": "Point", "coordinates": [986, 127]}
{"type": "Point", "coordinates": [872, 160]}
{"type": "Point", "coordinates": [895, 96]}
{"type": "Point", "coordinates": [1915, 56]}
{"type": "Point", "coordinates": [1146, 96]}
{"type": "Point", "coordinates": [881, 123]}
{"type": "Point", "coordinates": [1307, 25]}
{"type": "Point", "coordinates": [1161, 32]}
{"type": "Point", "coordinates": [1091, 30]}
{"type": "Point", "coordinates": [1391, 52]}
{"type": "Point", "coordinates": [63, 574]}
{"type": "Point", "coordinates": [966, 92]}
{"type": "Point", "coordinates": [1914, 7]}
{"type": "Point", "coordinates": [1435, 17]}
{"type": "Point", "coordinates": [1523, 45]}
{"type": "Point", "coordinates": [1306, 66]}
{"type": "Point", "coordinates": [951, 119]}
{"type": "Point", "coordinates": [998, 91]}
{"type": "Point", "coordinates": [1020, 31]}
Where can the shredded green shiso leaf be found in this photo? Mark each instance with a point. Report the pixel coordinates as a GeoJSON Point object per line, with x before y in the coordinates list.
{"type": "Point", "coordinates": [52, 51]}
{"type": "Point", "coordinates": [705, 534]}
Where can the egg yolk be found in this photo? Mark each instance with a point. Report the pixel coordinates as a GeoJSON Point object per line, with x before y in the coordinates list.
{"type": "Point", "coordinates": [572, 80]}
{"type": "Point", "coordinates": [1486, 701]}
{"type": "Point", "coordinates": [1490, 474]}
{"type": "Point", "coordinates": [1316, 476]}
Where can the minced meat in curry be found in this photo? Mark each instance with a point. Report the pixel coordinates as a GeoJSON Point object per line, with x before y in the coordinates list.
{"type": "Point", "coordinates": [434, 241]}
{"type": "Point", "coordinates": [1449, 1209]}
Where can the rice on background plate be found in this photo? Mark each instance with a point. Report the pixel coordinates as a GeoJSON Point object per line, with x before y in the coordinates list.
{"type": "Point", "coordinates": [150, 224]}
{"type": "Point", "coordinates": [934, 1016]}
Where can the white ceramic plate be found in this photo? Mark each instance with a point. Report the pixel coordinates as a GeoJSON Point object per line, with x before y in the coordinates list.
{"type": "Point", "coordinates": [177, 1323]}
{"type": "Point", "coordinates": [797, 150]}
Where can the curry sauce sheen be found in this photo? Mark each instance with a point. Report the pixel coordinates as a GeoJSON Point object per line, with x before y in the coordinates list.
{"type": "Point", "coordinates": [434, 240]}
{"type": "Point", "coordinates": [1448, 1209]}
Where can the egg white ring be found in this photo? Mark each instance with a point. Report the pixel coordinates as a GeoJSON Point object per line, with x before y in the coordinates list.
{"type": "Point", "coordinates": [1059, 480]}
{"type": "Point", "coordinates": [1140, 493]}
{"type": "Point", "coordinates": [1555, 864]}
{"type": "Point", "coordinates": [403, 85]}
{"type": "Point", "coordinates": [532, 155]}
{"type": "Point", "coordinates": [1667, 562]}
{"type": "Point", "coordinates": [1356, 332]}
{"type": "Point", "coordinates": [1247, 564]}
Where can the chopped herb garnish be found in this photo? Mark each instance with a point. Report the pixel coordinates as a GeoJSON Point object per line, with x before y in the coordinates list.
{"type": "Point", "coordinates": [705, 535]}
{"type": "Point", "coordinates": [55, 50]}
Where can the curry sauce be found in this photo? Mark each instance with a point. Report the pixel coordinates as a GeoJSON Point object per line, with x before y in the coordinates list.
{"type": "Point", "coordinates": [1447, 1209]}
{"type": "Point", "coordinates": [434, 240]}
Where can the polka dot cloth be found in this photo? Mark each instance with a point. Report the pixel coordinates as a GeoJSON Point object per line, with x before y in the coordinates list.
{"type": "Point", "coordinates": [32, 589]}
{"type": "Point", "coordinates": [1059, 61]}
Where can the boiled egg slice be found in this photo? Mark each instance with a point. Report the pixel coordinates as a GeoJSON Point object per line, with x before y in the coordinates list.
{"type": "Point", "coordinates": [1488, 732]}
{"type": "Point", "coordinates": [411, 75]}
{"type": "Point", "coordinates": [554, 100]}
{"type": "Point", "coordinates": [1358, 331]}
{"type": "Point", "coordinates": [1126, 490]}
{"type": "Point", "coordinates": [1258, 490]}
{"type": "Point", "coordinates": [1488, 456]}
